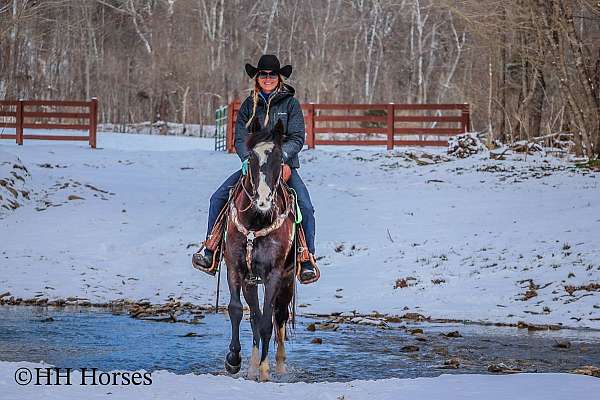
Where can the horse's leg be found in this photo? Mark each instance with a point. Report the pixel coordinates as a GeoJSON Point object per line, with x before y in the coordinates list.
{"type": "Point", "coordinates": [282, 314]}
{"type": "Point", "coordinates": [251, 296]}
{"type": "Point", "coordinates": [233, 361]}
{"type": "Point", "coordinates": [266, 325]}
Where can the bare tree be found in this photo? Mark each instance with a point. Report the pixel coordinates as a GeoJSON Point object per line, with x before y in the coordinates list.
{"type": "Point", "coordinates": [528, 68]}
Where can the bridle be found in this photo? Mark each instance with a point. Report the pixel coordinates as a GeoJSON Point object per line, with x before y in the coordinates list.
{"type": "Point", "coordinates": [254, 189]}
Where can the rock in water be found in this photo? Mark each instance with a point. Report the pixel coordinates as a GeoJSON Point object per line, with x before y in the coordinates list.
{"type": "Point", "coordinates": [453, 334]}
{"type": "Point", "coordinates": [409, 349]}
{"type": "Point", "coordinates": [451, 363]}
{"type": "Point", "coordinates": [502, 368]}
{"type": "Point", "coordinates": [588, 370]}
{"type": "Point", "coordinates": [563, 344]}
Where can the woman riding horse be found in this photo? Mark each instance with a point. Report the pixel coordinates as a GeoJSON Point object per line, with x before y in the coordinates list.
{"type": "Point", "coordinates": [271, 100]}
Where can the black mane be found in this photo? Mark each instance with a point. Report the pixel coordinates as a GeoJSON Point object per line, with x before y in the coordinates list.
{"type": "Point", "coordinates": [260, 135]}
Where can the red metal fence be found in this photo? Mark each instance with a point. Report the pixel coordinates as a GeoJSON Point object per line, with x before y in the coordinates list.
{"type": "Point", "coordinates": [375, 124]}
{"type": "Point", "coordinates": [48, 115]}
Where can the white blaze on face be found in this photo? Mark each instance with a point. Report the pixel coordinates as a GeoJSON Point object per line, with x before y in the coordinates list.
{"type": "Point", "coordinates": [263, 191]}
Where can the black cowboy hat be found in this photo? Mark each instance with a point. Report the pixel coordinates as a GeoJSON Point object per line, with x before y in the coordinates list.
{"type": "Point", "coordinates": [269, 62]}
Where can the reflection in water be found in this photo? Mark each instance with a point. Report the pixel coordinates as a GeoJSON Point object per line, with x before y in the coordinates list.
{"type": "Point", "coordinates": [79, 338]}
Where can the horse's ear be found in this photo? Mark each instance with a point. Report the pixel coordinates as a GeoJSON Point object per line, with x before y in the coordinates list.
{"type": "Point", "coordinates": [278, 132]}
{"type": "Point", "coordinates": [255, 125]}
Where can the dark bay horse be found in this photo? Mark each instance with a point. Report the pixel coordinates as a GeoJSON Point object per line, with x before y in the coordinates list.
{"type": "Point", "coordinates": [259, 248]}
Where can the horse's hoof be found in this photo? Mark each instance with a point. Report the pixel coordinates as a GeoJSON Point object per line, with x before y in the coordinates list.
{"type": "Point", "coordinates": [254, 363]}
{"type": "Point", "coordinates": [252, 374]}
{"type": "Point", "coordinates": [263, 369]}
{"type": "Point", "coordinates": [232, 369]}
{"type": "Point", "coordinates": [233, 362]}
{"type": "Point", "coordinates": [280, 369]}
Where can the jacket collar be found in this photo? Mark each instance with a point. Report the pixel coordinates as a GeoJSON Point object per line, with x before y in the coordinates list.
{"type": "Point", "coordinates": [285, 91]}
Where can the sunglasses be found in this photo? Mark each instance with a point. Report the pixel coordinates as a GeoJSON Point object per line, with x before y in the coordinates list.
{"type": "Point", "coordinates": [267, 74]}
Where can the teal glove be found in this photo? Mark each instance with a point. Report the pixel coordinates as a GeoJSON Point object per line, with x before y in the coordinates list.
{"type": "Point", "coordinates": [245, 167]}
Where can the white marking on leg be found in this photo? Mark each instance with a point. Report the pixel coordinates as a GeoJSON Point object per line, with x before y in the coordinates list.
{"type": "Point", "coordinates": [280, 368]}
{"type": "Point", "coordinates": [264, 370]}
{"type": "Point", "coordinates": [254, 363]}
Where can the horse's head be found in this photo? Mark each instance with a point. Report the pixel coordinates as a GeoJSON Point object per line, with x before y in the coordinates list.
{"type": "Point", "coordinates": [264, 164]}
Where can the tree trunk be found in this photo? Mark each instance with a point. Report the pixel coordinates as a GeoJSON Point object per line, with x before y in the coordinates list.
{"type": "Point", "coordinates": [502, 86]}
{"type": "Point", "coordinates": [537, 103]}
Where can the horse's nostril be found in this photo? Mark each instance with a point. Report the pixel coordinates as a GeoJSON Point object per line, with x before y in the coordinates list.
{"type": "Point", "coordinates": [263, 204]}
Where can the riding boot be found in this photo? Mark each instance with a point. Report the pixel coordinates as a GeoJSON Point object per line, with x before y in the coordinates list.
{"type": "Point", "coordinates": [307, 271]}
{"type": "Point", "coordinates": [204, 262]}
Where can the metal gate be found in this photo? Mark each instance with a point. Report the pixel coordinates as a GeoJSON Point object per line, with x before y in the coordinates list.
{"type": "Point", "coordinates": [221, 128]}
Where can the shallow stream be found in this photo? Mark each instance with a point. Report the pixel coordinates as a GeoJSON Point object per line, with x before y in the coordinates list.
{"type": "Point", "coordinates": [84, 337]}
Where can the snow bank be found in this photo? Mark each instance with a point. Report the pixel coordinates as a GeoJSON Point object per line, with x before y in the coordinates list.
{"type": "Point", "coordinates": [166, 385]}
{"type": "Point", "coordinates": [14, 177]}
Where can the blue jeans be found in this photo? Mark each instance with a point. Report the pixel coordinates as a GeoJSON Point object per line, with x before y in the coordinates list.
{"type": "Point", "coordinates": [220, 197]}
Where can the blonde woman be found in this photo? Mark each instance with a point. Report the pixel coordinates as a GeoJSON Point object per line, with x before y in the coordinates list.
{"type": "Point", "coordinates": [270, 100]}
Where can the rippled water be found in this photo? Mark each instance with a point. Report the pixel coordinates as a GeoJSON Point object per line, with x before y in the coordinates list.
{"type": "Point", "coordinates": [79, 338]}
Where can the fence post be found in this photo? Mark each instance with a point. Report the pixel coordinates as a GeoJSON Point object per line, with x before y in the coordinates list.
{"type": "Point", "coordinates": [466, 119]}
{"type": "Point", "coordinates": [229, 141]}
{"type": "Point", "coordinates": [390, 126]}
{"type": "Point", "coordinates": [227, 130]}
{"type": "Point", "coordinates": [93, 121]}
{"type": "Point", "coordinates": [19, 123]}
{"type": "Point", "coordinates": [310, 130]}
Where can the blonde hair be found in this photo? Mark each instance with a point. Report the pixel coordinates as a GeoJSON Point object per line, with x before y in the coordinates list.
{"type": "Point", "coordinates": [254, 93]}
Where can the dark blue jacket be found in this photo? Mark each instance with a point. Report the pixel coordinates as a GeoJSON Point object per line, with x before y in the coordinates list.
{"type": "Point", "coordinates": [283, 106]}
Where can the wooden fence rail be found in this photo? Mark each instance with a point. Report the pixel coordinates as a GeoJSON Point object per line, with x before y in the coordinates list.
{"type": "Point", "coordinates": [43, 114]}
{"type": "Point", "coordinates": [387, 125]}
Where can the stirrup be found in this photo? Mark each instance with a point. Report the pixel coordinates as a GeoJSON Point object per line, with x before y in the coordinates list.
{"type": "Point", "coordinates": [312, 261]}
{"type": "Point", "coordinates": [213, 268]}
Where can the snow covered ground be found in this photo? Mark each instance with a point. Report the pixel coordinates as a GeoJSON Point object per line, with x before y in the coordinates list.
{"type": "Point", "coordinates": [477, 239]}
{"type": "Point", "coordinates": [166, 385]}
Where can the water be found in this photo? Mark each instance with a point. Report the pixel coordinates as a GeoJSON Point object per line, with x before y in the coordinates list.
{"type": "Point", "coordinates": [89, 338]}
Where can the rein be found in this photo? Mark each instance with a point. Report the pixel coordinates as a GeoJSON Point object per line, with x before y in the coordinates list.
{"type": "Point", "coordinates": [248, 195]}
